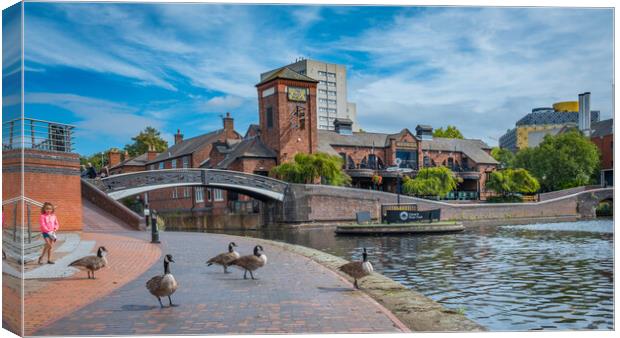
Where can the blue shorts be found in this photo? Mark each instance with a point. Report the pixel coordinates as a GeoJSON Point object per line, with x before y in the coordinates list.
{"type": "Point", "coordinates": [46, 235]}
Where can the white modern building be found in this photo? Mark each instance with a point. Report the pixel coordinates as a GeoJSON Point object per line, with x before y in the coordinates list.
{"type": "Point", "coordinates": [331, 91]}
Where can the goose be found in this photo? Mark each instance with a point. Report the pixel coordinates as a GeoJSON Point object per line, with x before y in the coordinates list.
{"type": "Point", "coordinates": [251, 262]}
{"type": "Point", "coordinates": [165, 285]}
{"type": "Point", "coordinates": [225, 258]}
{"type": "Point", "coordinates": [358, 269]}
{"type": "Point", "coordinates": [92, 263]}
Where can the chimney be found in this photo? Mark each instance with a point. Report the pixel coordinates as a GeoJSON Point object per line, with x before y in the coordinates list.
{"type": "Point", "coordinates": [229, 126]}
{"type": "Point", "coordinates": [178, 137]}
{"type": "Point", "coordinates": [114, 157]}
{"type": "Point", "coordinates": [151, 154]}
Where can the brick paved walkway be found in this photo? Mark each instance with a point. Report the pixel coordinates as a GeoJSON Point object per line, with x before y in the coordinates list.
{"type": "Point", "coordinates": [293, 295]}
{"type": "Point", "coordinates": [49, 300]}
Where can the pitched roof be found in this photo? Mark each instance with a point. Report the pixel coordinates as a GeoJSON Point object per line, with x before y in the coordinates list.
{"type": "Point", "coordinates": [472, 148]}
{"type": "Point", "coordinates": [139, 160]}
{"type": "Point", "coordinates": [249, 147]}
{"type": "Point", "coordinates": [188, 146]}
{"type": "Point", "coordinates": [253, 130]}
{"type": "Point", "coordinates": [359, 139]}
{"type": "Point", "coordinates": [286, 73]}
{"type": "Point", "coordinates": [602, 128]}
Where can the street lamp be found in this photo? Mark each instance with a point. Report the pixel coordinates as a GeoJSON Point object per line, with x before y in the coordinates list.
{"type": "Point", "coordinates": [399, 171]}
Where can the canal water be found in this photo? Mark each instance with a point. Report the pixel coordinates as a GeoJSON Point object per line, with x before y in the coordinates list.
{"type": "Point", "coordinates": [516, 277]}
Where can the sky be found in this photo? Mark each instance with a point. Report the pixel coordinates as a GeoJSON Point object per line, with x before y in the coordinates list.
{"type": "Point", "coordinates": [113, 69]}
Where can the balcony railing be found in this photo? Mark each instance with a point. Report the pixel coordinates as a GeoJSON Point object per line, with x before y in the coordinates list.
{"type": "Point", "coordinates": [37, 134]}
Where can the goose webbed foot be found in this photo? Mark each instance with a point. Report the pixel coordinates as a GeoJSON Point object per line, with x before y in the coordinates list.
{"type": "Point", "coordinates": [172, 305]}
{"type": "Point", "coordinates": [160, 303]}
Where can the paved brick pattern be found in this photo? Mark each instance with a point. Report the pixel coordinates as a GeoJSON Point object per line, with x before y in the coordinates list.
{"type": "Point", "coordinates": [46, 301]}
{"type": "Point", "coordinates": [293, 295]}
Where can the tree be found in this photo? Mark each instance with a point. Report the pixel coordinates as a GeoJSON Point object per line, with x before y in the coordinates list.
{"type": "Point", "coordinates": [504, 156]}
{"type": "Point", "coordinates": [149, 138]}
{"type": "Point", "coordinates": [96, 159]}
{"type": "Point", "coordinates": [449, 132]}
{"type": "Point", "coordinates": [510, 181]}
{"type": "Point", "coordinates": [433, 181]}
{"type": "Point", "coordinates": [307, 168]}
{"type": "Point", "coordinates": [561, 161]}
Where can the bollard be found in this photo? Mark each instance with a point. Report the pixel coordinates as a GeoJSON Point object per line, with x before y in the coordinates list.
{"type": "Point", "coordinates": [154, 230]}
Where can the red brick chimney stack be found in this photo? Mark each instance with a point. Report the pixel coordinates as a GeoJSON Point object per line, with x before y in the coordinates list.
{"type": "Point", "coordinates": [229, 126]}
{"type": "Point", "coordinates": [114, 157]}
{"type": "Point", "coordinates": [151, 154]}
{"type": "Point", "coordinates": [178, 137]}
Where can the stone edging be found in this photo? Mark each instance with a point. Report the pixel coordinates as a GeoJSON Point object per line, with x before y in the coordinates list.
{"type": "Point", "coordinates": [415, 310]}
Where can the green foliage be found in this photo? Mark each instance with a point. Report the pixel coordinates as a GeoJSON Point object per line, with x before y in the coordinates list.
{"type": "Point", "coordinates": [510, 181]}
{"type": "Point", "coordinates": [433, 181]}
{"type": "Point", "coordinates": [605, 209]}
{"type": "Point", "coordinates": [505, 199]}
{"type": "Point", "coordinates": [307, 168]}
{"type": "Point", "coordinates": [561, 161]}
{"type": "Point", "coordinates": [97, 159]}
{"type": "Point", "coordinates": [149, 138]}
{"type": "Point", "coordinates": [449, 132]}
{"type": "Point", "coordinates": [504, 156]}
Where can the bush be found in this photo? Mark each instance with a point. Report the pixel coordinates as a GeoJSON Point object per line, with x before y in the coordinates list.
{"type": "Point", "coordinates": [604, 209]}
{"type": "Point", "coordinates": [505, 199]}
{"type": "Point", "coordinates": [434, 181]}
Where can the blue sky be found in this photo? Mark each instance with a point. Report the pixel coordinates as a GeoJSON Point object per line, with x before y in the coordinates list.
{"type": "Point", "coordinates": [112, 69]}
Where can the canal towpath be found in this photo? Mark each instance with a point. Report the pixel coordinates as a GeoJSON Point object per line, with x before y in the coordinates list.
{"type": "Point", "coordinates": [293, 294]}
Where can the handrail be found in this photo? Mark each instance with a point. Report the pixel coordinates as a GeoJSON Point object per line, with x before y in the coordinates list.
{"type": "Point", "coordinates": [24, 198]}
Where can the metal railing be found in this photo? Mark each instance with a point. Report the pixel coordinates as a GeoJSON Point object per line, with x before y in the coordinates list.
{"type": "Point", "coordinates": [37, 134]}
{"type": "Point", "coordinates": [15, 202]}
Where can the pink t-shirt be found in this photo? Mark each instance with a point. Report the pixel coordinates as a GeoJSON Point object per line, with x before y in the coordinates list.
{"type": "Point", "coordinates": [48, 223]}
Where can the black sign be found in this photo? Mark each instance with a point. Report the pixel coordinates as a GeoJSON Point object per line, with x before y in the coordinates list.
{"type": "Point", "coordinates": [396, 216]}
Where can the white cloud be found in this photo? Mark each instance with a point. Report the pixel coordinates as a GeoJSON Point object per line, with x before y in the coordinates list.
{"type": "Point", "coordinates": [480, 69]}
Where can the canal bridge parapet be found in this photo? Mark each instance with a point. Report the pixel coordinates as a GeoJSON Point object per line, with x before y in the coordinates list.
{"type": "Point", "coordinates": [320, 203]}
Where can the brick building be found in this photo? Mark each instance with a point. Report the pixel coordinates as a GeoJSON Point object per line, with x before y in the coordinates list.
{"type": "Point", "coordinates": [128, 165]}
{"type": "Point", "coordinates": [603, 136]}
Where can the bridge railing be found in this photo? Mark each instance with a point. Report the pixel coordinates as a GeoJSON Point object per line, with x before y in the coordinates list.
{"type": "Point", "coordinates": [37, 134]}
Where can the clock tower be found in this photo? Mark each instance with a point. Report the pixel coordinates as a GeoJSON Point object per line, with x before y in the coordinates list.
{"type": "Point", "coordinates": [287, 113]}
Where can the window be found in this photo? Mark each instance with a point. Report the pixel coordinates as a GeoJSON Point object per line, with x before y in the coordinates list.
{"type": "Point", "coordinates": [187, 192]}
{"type": "Point", "coordinates": [173, 164]}
{"type": "Point", "coordinates": [323, 100]}
{"type": "Point", "coordinates": [218, 195]}
{"type": "Point", "coordinates": [321, 82]}
{"type": "Point", "coordinates": [161, 165]}
{"type": "Point", "coordinates": [269, 117]}
{"type": "Point", "coordinates": [209, 195]}
{"type": "Point", "coordinates": [322, 110]}
{"type": "Point", "coordinates": [152, 167]}
{"type": "Point", "coordinates": [200, 194]}
{"type": "Point", "coordinates": [331, 75]}
{"type": "Point", "coordinates": [331, 92]}
{"type": "Point", "coordinates": [175, 193]}
{"type": "Point", "coordinates": [322, 91]}
{"type": "Point", "coordinates": [322, 73]}
{"type": "Point", "coordinates": [427, 161]}
{"type": "Point", "coordinates": [269, 91]}
{"type": "Point", "coordinates": [331, 84]}
{"type": "Point", "coordinates": [331, 110]}
{"type": "Point", "coordinates": [186, 162]}
{"type": "Point", "coordinates": [331, 101]}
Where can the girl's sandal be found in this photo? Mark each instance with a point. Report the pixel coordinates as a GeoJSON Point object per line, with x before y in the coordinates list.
{"type": "Point", "coordinates": [40, 261]}
{"type": "Point", "coordinates": [51, 262]}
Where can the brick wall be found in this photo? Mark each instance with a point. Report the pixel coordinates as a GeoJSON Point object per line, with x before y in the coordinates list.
{"type": "Point", "coordinates": [605, 147]}
{"type": "Point", "coordinates": [318, 203]}
{"type": "Point", "coordinates": [48, 177]}
{"type": "Point", "coordinates": [99, 198]}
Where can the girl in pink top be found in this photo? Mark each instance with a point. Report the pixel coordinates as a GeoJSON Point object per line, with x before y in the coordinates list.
{"type": "Point", "coordinates": [49, 225]}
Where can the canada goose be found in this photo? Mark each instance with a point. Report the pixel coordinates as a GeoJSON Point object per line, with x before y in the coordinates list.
{"type": "Point", "coordinates": [358, 269]}
{"type": "Point", "coordinates": [225, 258]}
{"type": "Point", "coordinates": [251, 262]}
{"type": "Point", "coordinates": [165, 285]}
{"type": "Point", "coordinates": [92, 263]}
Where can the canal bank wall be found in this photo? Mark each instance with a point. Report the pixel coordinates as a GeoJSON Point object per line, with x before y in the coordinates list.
{"type": "Point", "coordinates": [416, 311]}
{"type": "Point", "coordinates": [329, 204]}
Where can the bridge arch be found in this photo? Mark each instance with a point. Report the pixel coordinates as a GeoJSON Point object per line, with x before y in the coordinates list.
{"type": "Point", "coordinates": [256, 186]}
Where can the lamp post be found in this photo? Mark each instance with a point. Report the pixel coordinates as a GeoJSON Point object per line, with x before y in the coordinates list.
{"type": "Point", "coordinates": [154, 230]}
{"type": "Point", "coordinates": [399, 171]}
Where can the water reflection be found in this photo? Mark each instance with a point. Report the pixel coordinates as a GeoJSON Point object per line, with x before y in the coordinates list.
{"type": "Point", "coordinates": [531, 277]}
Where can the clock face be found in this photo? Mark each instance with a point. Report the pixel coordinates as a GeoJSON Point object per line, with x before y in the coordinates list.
{"type": "Point", "coordinates": [297, 94]}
